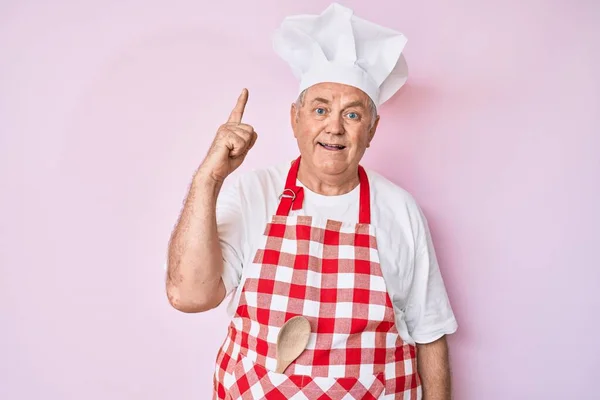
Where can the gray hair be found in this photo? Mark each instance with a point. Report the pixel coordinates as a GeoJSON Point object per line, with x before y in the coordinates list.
{"type": "Point", "coordinates": [372, 107]}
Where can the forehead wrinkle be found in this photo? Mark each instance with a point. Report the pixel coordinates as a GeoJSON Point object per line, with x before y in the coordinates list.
{"type": "Point", "coordinates": [355, 103]}
{"type": "Point", "coordinates": [320, 100]}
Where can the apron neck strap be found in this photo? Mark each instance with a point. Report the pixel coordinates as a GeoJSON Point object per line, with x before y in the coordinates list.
{"type": "Point", "coordinates": [293, 195]}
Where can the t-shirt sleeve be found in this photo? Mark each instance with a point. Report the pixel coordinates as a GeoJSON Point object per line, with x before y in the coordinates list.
{"type": "Point", "coordinates": [429, 315]}
{"type": "Point", "coordinates": [230, 227]}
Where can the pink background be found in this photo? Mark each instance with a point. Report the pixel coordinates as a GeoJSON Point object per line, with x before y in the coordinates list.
{"type": "Point", "coordinates": [107, 107]}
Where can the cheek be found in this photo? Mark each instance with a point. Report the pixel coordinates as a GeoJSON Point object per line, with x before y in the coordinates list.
{"type": "Point", "coordinates": [307, 132]}
{"type": "Point", "coordinates": [360, 139]}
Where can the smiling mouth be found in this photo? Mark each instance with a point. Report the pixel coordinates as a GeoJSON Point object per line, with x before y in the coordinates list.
{"type": "Point", "coordinates": [332, 147]}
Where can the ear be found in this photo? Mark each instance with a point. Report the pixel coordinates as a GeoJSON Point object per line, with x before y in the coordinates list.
{"type": "Point", "coordinates": [372, 131]}
{"type": "Point", "coordinates": [294, 117]}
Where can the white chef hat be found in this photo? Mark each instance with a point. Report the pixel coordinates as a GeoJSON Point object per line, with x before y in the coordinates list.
{"type": "Point", "coordinates": [337, 46]}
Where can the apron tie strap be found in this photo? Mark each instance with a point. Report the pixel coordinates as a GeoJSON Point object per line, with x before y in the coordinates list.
{"type": "Point", "coordinates": [292, 197]}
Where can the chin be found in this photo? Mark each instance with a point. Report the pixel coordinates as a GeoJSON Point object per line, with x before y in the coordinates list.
{"type": "Point", "coordinates": [332, 167]}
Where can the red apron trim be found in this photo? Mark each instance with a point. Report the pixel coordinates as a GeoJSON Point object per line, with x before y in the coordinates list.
{"type": "Point", "coordinates": [364, 210]}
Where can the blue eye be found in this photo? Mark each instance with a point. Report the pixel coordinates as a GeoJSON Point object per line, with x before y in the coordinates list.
{"type": "Point", "coordinates": [320, 111]}
{"type": "Point", "coordinates": [353, 115]}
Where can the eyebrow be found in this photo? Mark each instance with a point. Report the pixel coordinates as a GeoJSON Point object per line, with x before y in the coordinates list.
{"type": "Point", "coordinates": [320, 100]}
{"type": "Point", "coordinates": [356, 103]}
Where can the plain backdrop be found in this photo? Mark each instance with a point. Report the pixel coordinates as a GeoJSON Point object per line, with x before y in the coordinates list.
{"type": "Point", "coordinates": [107, 107]}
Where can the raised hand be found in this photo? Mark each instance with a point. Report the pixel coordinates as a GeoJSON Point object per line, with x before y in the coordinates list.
{"type": "Point", "coordinates": [231, 144]}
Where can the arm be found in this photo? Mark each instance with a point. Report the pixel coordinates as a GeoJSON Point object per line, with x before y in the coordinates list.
{"type": "Point", "coordinates": [195, 263]}
{"type": "Point", "coordinates": [195, 259]}
{"type": "Point", "coordinates": [434, 369]}
{"type": "Point", "coordinates": [429, 316]}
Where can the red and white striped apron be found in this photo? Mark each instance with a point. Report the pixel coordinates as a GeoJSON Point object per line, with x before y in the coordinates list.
{"type": "Point", "coordinates": [327, 271]}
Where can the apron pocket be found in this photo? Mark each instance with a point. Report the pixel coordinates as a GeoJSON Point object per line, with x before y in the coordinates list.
{"type": "Point", "coordinates": [253, 381]}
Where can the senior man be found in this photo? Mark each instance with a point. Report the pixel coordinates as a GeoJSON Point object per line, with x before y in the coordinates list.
{"type": "Point", "coordinates": [318, 237]}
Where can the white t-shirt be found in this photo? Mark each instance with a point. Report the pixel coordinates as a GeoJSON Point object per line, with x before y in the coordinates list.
{"type": "Point", "coordinates": [247, 203]}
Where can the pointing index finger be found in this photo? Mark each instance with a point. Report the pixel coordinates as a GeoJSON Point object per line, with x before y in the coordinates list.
{"type": "Point", "coordinates": [238, 111]}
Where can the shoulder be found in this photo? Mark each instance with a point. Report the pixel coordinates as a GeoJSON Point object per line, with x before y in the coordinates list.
{"type": "Point", "coordinates": [394, 208]}
{"type": "Point", "coordinates": [386, 193]}
{"type": "Point", "coordinates": [258, 180]}
{"type": "Point", "coordinates": [255, 191]}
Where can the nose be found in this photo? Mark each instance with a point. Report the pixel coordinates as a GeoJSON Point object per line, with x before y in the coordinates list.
{"type": "Point", "coordinates": [335, 125]}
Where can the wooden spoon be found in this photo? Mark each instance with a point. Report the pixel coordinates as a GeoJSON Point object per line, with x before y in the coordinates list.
{"type": "Point", "coordinates": [291, 341]}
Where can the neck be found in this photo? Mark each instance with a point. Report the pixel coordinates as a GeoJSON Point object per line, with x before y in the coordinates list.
{"type": "Point", "coordinates": [328, 185]}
